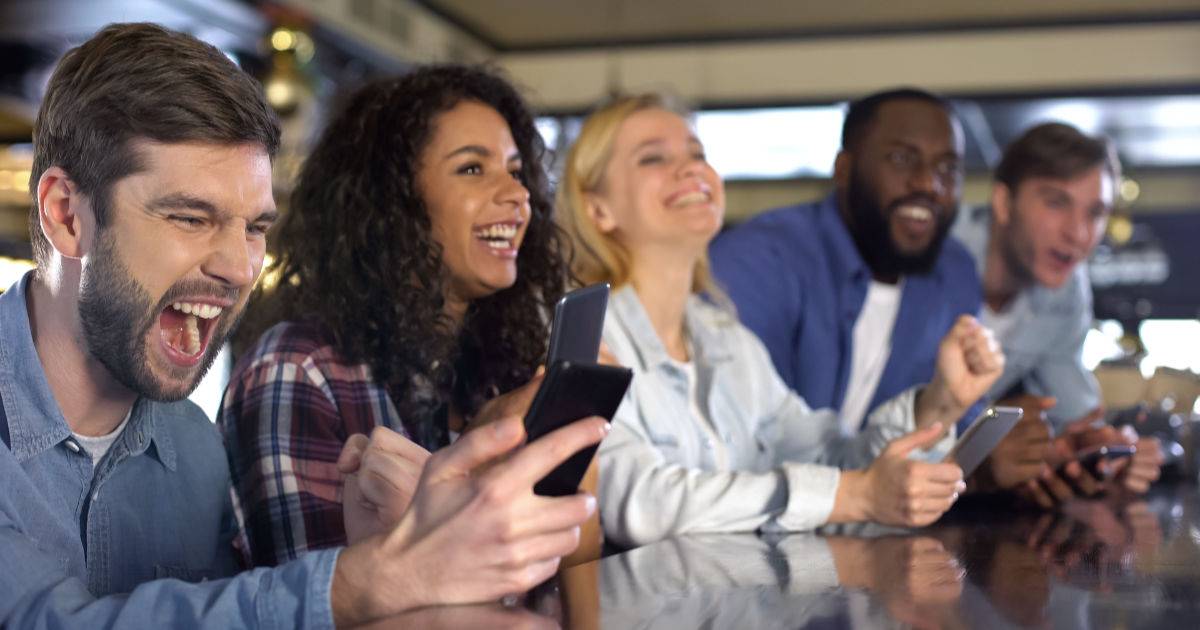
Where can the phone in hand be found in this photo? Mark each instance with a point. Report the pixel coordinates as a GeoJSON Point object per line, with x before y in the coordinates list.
{"type": "Point", "coordinates": [1091, 458]}
{"type": "Point", "coordinates": [570, 392]}
{"type": "Point", "coordinates": [578, 325]}
{"type": "Point", "coordinates": [977, 442]}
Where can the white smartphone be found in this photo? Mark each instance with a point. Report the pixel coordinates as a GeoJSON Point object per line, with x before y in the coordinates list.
{"type": "Point", "coordinates": [982, 436]}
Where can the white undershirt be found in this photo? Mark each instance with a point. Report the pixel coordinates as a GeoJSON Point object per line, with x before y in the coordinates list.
{"type": "Point", "coordinates": [97, 447]}
{"type": "Point", "coordinates": [872, 345]}
{"type": "Point", "coordinates": [700, 414]}
{"type": "Point", "coordinates": [1002, 323]}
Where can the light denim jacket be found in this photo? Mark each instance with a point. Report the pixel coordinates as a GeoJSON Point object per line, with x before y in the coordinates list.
{"type": "Point", "coordinates": [658, 476]}
{"type": "Point", "coordinates": [85, 548]}
{"type": "Point", "coordinates": [1043, 352]}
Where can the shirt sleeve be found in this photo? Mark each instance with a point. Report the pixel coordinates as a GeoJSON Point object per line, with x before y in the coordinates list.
{"type": "Point", "coordinates": [645, 498]}
{"type": "Point", "coordinates": [1060, 373]}
{"type": "Point", "coordinates": [284, 434]}
{"type": "Point", "coordinates": [42, 596]}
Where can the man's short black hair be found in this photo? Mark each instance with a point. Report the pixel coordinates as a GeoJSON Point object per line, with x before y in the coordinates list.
{"type": "Point", "coordinates": [862, 112]}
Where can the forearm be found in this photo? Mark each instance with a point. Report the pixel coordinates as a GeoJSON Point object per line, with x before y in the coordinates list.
{"type": "Point", "coordinates": [591, 538]}
{"type": "Point", "coordinates": [295, 595]}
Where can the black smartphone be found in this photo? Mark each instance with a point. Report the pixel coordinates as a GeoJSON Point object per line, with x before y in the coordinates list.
{"type": "Point", "coordinates": [1090, 459]}
{"type": "Point", "coordinates": [982, 436]}
{"type": "Point", "coordinates": [578, 325]}
{"type": "Point", "coordinates": [570, 392]}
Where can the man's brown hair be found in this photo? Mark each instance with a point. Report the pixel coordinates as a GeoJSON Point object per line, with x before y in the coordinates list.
{"type": "Point", "coordinates": [1057, 151]}
{"type": "Point", "coordinates": [138, 81]}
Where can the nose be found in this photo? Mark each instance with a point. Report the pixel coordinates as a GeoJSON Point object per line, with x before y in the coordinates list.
{"type": "Point", "coordinates": [231, 261]}
{"type": "Point", "coordinates": [512, 192]}
{"type": "Point", "coordinates": [1080, 227]}
{"type": "Point", "coordinates": [923, 179]}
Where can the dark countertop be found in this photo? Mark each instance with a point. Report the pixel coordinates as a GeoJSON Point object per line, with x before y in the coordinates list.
{"type": "Point", "coordinates": [1093, 564]}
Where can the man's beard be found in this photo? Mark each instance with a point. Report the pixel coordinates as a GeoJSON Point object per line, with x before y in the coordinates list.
{"type": "Point", "coordinates": [871, 229]}
{"type": "Point", "coordinates": [116, 315]}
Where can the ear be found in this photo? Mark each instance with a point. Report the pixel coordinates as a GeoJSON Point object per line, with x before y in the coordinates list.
{"type": "Point", "coordinates": [1002, 204]}
{"type": "Point", "coordinates": [843, 166]}
{"type": "Point", "coordinates": [600, 213]}
{"type": "Point", "coordinates": [64, 213]}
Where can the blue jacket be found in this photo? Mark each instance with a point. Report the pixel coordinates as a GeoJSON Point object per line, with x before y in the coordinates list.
{"type": "Point", "coordinates": [799, 283]}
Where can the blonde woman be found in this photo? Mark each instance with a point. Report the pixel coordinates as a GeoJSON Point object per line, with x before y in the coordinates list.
{"type": "Point", "coordinates": [709, 438]}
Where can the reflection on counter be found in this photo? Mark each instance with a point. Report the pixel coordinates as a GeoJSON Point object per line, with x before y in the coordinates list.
{"type": "Point", "coordinates": [1093, 564]}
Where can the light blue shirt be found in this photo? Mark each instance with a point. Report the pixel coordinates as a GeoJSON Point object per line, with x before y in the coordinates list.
{"type": "Point", "coordinates": [659, 476]}
{"type": "Point", "coordinates": [1043, 349]}
{"type": "Point", "coordinates": [84, 547]}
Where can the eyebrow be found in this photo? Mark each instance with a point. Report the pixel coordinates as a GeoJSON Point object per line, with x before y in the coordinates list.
{"type": "Point", "coordinates": [653, 141]}
{"type": "Point", "coordinates": [481, 151]}
{"type": "Point", "coordinates": [912, 147]}
{"type": "Point", "coordinates": [184, 201]}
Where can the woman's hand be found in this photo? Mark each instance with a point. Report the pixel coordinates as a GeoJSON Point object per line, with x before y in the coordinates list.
{"type": "Point", "coordinates": [380, 479]}
{"type": "Point", "coordinates": [896, 490]}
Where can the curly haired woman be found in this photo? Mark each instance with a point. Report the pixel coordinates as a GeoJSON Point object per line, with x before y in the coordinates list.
{"type": "Point", "coordinates": [415, 268]}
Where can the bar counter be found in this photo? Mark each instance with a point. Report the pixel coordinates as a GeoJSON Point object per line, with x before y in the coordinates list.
{"type": "Point", "coordinates": [987, 564]}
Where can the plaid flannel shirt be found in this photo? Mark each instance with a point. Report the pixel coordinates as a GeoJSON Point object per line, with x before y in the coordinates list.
{"type": "Point", "coordinates": [289, 408]}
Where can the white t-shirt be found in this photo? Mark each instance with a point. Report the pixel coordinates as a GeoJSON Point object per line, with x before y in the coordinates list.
{"type": "Point", "coordinates": [1004, 322]}
{"type": "Point", "coordinates": [97, 447]}
{"type": "Point", "coordinates": [872, 346]}
{"type": "Point", "coordinates": [699, 412]}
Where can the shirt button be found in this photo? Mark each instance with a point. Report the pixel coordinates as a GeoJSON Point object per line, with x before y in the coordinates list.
{"type": "Point", "coordinates": [72, 446]}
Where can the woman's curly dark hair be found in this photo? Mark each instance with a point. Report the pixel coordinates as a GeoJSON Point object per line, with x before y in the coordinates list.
{"type": "Point", "coordinates": [357, 256]}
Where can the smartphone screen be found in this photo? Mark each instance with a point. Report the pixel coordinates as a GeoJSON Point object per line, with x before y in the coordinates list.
{"type": "Point", "coordinates": [570, 392]}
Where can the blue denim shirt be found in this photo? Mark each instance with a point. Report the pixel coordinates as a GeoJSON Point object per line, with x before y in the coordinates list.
{"type": "Point", "coordinates": [1044, 350]}
{"type": "Point", "coordinates": [84, 547]}
{"type": "Point", "coordinates": [799, 283]}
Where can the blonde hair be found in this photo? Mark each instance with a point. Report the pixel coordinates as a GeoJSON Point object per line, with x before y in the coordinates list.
{"type": "Point", "coordinates": [598, 257]}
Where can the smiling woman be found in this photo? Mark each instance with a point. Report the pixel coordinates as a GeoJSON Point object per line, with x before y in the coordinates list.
{"type": "Point", "coordinates": [415, 269]}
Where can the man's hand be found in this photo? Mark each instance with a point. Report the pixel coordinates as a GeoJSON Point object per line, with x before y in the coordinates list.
{"type": "Point", "coordinates": [468, 536]}
{"type": "Point", "coordinates": [896, 490]}
{"type": "Point", "coordinates": [380, 479]}
{"type": "Point", "coordinates": [1144, 467]}
{"type": "Point", "coordinates": [1022, 454]}
{"type": "Point", "coordinates": [969, 361]}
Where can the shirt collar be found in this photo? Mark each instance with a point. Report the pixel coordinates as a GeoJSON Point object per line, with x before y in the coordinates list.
{"type": "Point", "coordinates": [708, 345]}
{"type": "Point", "coordinates": [843, 253]}
{"type": "Point", "coordinates": [35, 421]}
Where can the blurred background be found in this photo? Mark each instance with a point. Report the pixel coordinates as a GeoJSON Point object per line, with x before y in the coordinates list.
{"type": "Point", "coordinates": [768, 80]}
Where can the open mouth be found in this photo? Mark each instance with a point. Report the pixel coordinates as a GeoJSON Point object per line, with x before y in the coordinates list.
{"type": "Point", "coordinates": [186, 329]}
{"type": "Point", "coordinates": [500, 238]}
{"type": "Point", "coordinates": [919, 214]}
{"type": "Point", "coordinates": [1062, 258]}
{"type": "Point", "coordinates": [689, 198]}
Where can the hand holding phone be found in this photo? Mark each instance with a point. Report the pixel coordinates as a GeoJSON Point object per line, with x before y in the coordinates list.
{"type": "Point", "coordinates": [982, 436]}
{"type": "Point", "coordinates": [570, 392]}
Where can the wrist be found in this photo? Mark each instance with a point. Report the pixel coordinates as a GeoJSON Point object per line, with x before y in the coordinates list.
{"type": "Point", "coordinates": [367, 585]}
{"type": "Point", "coordinates": [851, 503]}
{"type": "Point", "coordinates": [350, 595]}
{"type": "Point", "coordinates": [935, 403]}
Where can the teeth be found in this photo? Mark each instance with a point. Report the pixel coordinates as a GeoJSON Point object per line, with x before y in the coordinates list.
{"type": "Point", "coordinates": [192, 328]}
{"type": "Point", "coordinates": [499, 244]}
{"type": "Point", "coordinates": [203, 311]}
{"type": "Point", "coordinates": [692, 197]}
{"type": "Point", "coordinates": [497, 231]}
{"type": "Point", "coordinates": [918, 213]}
